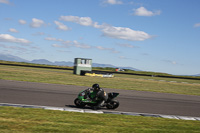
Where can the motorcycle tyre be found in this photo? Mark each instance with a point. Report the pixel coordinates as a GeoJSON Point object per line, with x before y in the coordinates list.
{"type": "Point", "coordinates": [79, 103]}
{"type": "Point", "coordinates": [113, 104]}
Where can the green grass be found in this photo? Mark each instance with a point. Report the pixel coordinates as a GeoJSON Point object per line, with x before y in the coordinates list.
{"type": "Point", "coordinates": [146, 73]}
{"type": "Point", "coordinates": [120, 81]}
{"type": "Point", "coordinates": [39, 120]}
{"type": "Point", "coordinates": [106, 69]}
{"type": "Point", "coordinates": [13, 119]}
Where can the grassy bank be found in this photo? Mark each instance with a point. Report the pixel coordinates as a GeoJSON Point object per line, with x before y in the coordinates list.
{"type": "Point", "coordinates": [104, 69]}
{"type": "Point", "coordinates": [14, 119]}
{"type": "Point", "coordinates": [120, 81]}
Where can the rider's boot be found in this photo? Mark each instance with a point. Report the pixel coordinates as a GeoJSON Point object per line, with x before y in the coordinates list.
{"type": "Point", "coordinates": [100, 104]}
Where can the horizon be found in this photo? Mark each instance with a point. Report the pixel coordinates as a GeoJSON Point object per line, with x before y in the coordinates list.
{"type": "Point", "coordinates": [108, 65]}
{"type": "Point", "coordinates": [153, 35]}
{"type": "Point", "coordinates": [12, 56]}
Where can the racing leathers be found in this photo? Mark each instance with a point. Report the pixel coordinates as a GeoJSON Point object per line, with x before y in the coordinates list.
{"type": "Point", "coordinates": [99, 96]}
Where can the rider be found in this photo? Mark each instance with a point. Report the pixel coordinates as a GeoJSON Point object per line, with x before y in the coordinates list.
{"type": "Point", "coordinates": [98, 95]}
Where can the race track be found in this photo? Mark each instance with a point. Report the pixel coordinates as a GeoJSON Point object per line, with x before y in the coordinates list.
{"type": "Point", "coordinates": [18, 92]}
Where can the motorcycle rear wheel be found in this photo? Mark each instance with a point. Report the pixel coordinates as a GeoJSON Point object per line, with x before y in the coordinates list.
{"type": "Point", "coordinates": [112, 104]}
{"type": "Point", "coordinates": [79, 103]}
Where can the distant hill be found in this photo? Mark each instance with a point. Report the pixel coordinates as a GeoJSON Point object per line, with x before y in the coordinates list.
{"type": "Point", "coordinates": [42, 61]}
{"type": "Point", "coordinates": [64, 63]}
{"type": "Point", "coordinates": [197, 75]}
{"type": "Point", "coordinates": [130, 68]}
{"type": "Point", "coordinates": [56, 63]}
{"type": "Point", "coordinates": [112, 66]}
{"type": "Point", "coordinates": [7, 57]}
{"type": "Point", "coordinates": [102, 65]}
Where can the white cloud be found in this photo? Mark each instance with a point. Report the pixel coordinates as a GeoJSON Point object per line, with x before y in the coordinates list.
{"type": "Point", "coordinates": [38, 34]}
{"type": "Point", "coordinates": [197, 25]}
{"type": "Point", "coordinates": [126, 45]}
{"type": "Point", "coordinates": [56, 45]}
{"type": "Point", "coordinates": [76, 44]}
{"type": "Point", "coordinates": [13, 30]}
{"type": "Point", "coordinates": [85, 21]}
{"type": "Point", "coordinates": [5, 1]}
{"type": "Point", "coordinates": [125, 33]}
{"type": "Point", "coordinates": [64, 51]}
{"type": "Point", "coordinates": [13, 47]}
{"type": "Point", "coordinates": [125, 58]}
{"type": "Point", "coordinates": [61, 26]}
{"type": "Point", "coordinates": [80, 45]}
{"type": "Point", "coordinates": [53, 39]}
{"type": "Point", "coordinates": [144, 12]}
{"type": "Point", "coordinates": [50, 39]}
{"type": "Point", "coordinates": [9, 38]}
{"type": "Point", "coordinates": [171, 62]}
{"type": "Point", "coordinates": [102, 48]}
{"type": "Point", "coordinates": [22, 21]}
{"type": "Point", "coordinates": [36, 23]}
{"type": "Point", "coordinates": [113, 2]}
{"type": "Point", "coordinates": [115, 51]}
{"type": "Point", "coordinates": [18, 49]}
{"type": "Point", "coordinates": [122, 57]}
{"type": "Point", "coordinates": [174, 62]}
{"type": "Point", "coordinates": [69, 18]}
{"type": "Point", "coordinates": [112, 50]}
{"type": "Point", "coordinates": [67, 44]}
{"type": "Point", "coordinates": [108, 30]}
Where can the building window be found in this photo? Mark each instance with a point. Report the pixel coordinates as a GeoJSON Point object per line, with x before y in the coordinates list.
{"type": "Point", "coordinates": [87, 61]}
{"type": "Point", "coordinates": [83, 61]}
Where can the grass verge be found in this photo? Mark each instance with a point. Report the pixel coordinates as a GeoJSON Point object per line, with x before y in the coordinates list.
{"type": "Point", "coordinates": [14, 119]}
{"type": "Point", "coordinates": [120, 81]}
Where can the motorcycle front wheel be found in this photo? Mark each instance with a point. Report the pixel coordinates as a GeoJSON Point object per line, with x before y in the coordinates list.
{"type": "Point", "coordinates": [112, 104]}
{"type": "Point", "coordinates": [79, 103]}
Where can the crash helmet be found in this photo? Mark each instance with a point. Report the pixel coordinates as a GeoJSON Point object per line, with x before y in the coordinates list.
{"type": "Point", "coordinates": [96, 87]}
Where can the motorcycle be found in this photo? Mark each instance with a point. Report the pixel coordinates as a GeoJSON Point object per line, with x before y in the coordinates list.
{"type": "Point", "coordinates": [82, 100]}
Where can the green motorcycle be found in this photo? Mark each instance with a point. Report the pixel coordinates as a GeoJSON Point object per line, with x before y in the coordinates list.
{"type": "Point", "coordinates": [84, 99]}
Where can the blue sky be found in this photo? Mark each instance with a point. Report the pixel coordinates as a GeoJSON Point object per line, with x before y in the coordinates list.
{"type": "Point", "coordinates": [150, 35]}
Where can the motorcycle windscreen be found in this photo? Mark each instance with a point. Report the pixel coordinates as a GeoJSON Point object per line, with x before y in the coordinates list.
{"type": "Point", "coordinates": [113, 94]}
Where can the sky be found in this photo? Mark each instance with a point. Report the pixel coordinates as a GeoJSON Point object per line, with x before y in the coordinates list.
{"type": "Point", "coordinates": [149, 35]}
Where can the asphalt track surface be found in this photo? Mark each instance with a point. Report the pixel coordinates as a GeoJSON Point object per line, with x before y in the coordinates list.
{"type": "Point", "coordinates": [43, 94]}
